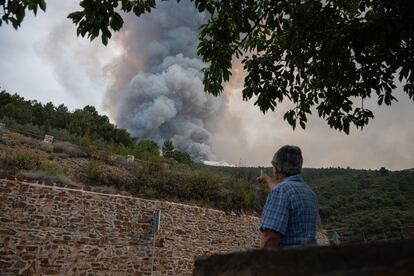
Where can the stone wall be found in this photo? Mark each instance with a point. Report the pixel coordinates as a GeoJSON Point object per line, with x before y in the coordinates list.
{"type": "Point", "coordinates": [54, 230]}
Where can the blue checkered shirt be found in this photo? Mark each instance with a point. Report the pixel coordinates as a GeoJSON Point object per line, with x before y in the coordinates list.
{"type": "Point", "coordinates": [291, 209]}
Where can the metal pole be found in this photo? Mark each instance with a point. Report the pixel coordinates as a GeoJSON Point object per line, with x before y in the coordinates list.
{"type": "Point", "coordinates": [153, 253]}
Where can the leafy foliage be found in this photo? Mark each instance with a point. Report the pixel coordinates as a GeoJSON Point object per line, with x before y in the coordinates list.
{"type": "Point", "coordinates": [361, 205]}
{"type": "Point", "coordinates": [60, 122]}
{"type": "Point", "coordinates": [98, 16]}
{"type": "Point", "coordinates": [167, 148]}
{"type": "Point", "coordinates": [14, 11]}
{"type": "Point", "coordinates": [181, 157]}
{"type": "Point", "coordinates": [313, 54]}
{"type": "Point", "coordinates": [170, 152]}
{"type": "Point", "coordinates": [23, 160]}
{"type": "Point", "coordinates": [325, 54]}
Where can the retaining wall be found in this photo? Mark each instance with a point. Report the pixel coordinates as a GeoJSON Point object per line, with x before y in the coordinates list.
{"type": "Point", "coordinates": [54, 230]}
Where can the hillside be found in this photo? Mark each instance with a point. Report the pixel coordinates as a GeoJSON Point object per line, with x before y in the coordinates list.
{"type": "Point", "coordinates": [357, 204]}
{"type": "Point", "coordinates": [90, 152]}
{"type": "Point", "coordinates": [360, 205]}
{"type": "Point", "coordinates": [99, 169]}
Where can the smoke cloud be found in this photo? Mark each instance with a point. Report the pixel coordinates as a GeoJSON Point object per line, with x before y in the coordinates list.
{"type": "Point", "coordinates": [153, 87]}
{"type": "Point", "coordinates": [157, 91]}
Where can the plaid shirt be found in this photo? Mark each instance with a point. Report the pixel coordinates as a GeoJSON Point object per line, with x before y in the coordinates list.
{"type": "Point", "coordinates": [291, 209]}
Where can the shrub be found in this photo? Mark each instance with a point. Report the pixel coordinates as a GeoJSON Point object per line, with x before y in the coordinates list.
{"type": "Point", "coordinates": [63, 135]}
{"type": "Point", "coordinates": [154, 166]}
{"type": "Point", "coordinates": [50, 168]}
{"type": "Point", "coordinates": [242, 195]}
{"type": "Point", "coordinates": [46, 176]}
{"type": "Point", "coordinates": [95, 173]}
{"type": "Point", "coordinates": [181, 157]}
{"type": "Point", "coordinates": [205, 185]}
{"type": "Point", "coordinates": [149, 191]}
{"type": "Point", "coordinates": [96, 149]}
{"type": "Point", "coordinates": [145, 149]}
{"type": "Point", "coordinates": [68, 148]}
{"type": "Point", "coordinates": [120, 150]}
{"type": "Point", "coordinates": [102, 154]}
{"type": "Point", "coordinates": [24, 160]}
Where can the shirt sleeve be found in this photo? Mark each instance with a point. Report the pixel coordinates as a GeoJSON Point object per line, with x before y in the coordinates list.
{"type": "Point", "coordinates": [275, 214]}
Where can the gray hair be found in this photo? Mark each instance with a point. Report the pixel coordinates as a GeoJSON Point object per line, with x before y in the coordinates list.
{"type": "Point", "coordinates": [288, 160]}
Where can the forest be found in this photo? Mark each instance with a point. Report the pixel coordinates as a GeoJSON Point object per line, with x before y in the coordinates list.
{"type": "Point", "coordinates": [356, 205]}
{"type": "Point", "coordinates": [359, 205]}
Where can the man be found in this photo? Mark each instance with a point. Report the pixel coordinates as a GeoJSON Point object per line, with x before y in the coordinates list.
{"type": "Point", "coordinates": [289, 216]}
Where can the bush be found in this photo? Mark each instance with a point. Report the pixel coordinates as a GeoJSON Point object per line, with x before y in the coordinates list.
{"type": "Point", "coordinates": [154, 166]}
{"type": "Point", "coordinates": [47, 176]}
{"type": "Point", "coordinates": [181, 157]}
{"type": "Point", "coordinates": [144, 149]}
{"type": "Point", "coordinates": [94, 148]}
{"type": "Point", "coordinates": [24, 160]}
{"type": "Point", "coordinates": [68, 148]}
{"type": "Point", "coordinates": [63, 135]}
{"type": "Point", "coordinates": [95, 173]}
{"type": "Point", "coordinates": [242, 196]}
{"type": "Point", "coordinates": [120, 150]}
{"type": "Point", "coordinates": [205, 186]}
{"type": "Point", "coordinates": [51, 168]}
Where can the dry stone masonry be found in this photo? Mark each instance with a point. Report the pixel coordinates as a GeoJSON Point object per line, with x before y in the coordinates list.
{"type": "Point", "coordinates": [50, 230]}
{"type": "Point", "coordinates": [53, 230]}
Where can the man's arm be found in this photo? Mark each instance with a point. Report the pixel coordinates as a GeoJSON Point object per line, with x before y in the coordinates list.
{"type": "Point", "coordinates": [270, 239]}
{"type": "Point", "coordinates": [267, 180]}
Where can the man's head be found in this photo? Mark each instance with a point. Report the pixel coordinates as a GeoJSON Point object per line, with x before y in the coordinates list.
{"type": "Point", "coordinates": [288, 160]}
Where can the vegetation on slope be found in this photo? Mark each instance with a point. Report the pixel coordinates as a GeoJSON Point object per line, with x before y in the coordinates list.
{"type": "Point", "coordinates": [360, 205]}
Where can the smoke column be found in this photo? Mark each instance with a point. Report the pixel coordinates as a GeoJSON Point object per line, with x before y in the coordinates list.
{"type": "Point", "coordinates": [158, 92]}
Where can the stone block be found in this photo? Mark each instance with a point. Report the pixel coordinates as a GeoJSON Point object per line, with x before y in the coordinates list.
{"type": "Point", "coordinates": [130, 159]}
{"type": "Point", "coordinates": [48, 139]}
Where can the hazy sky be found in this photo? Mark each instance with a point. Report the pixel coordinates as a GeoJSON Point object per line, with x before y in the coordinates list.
{"type": "Point", "coordinates": [44, 60]}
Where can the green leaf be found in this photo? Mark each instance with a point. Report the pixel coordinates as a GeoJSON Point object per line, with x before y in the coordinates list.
{"type": "Point", "coordinates": [104, 40]}
{"type": "Point", "coordinates": [42, 5]}
{"type": "Point", "coordinates": [20, 14]}
{"type": "Point", "coordinates": [116, 22]}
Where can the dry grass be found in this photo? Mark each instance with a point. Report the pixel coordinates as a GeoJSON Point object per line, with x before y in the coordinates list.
{"type": "Point", "coordinates": [69, 149]}
{"type": "Point", "coordinates": [47, 177]}
{"type": "Point", "coordinates": [98, 173]}
{"type": "Point", "coordinates": [23, 159]}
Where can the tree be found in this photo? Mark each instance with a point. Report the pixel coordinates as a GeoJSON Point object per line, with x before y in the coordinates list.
{"type": "Point", "coordinates": [330, 54]}
{"type": "Point", "coordinates": [15, 10]}
{"type": "Point", "coordinates": [145, 149]}
{"type": "Point", "coordinates": [181, 157]}
{"type": "Point", "coordinates": [383, 171]}
{"type": "Point", "coordinates": [168, 148]}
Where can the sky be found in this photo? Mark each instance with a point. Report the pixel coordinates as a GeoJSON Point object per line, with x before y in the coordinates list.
{"type": "Point", "coordinates": [46, 61]}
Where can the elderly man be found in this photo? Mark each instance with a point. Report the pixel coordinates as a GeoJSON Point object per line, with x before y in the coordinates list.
{"type": "Point", "coordinates": [289, 216]}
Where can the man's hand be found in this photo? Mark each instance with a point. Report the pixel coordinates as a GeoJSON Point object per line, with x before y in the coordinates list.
{"type": "Point", "coordinates": [267, 180]}
{"type": "Point", "coordinates": [270, 239]}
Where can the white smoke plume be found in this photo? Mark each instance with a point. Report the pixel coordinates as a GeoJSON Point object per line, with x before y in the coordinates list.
{"type": "Point", "coordinates": [164, 97]}
{"type": "Point", "coordinates": [169, 102]}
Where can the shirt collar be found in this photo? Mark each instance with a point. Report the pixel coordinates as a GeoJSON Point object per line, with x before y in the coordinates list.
{"type": "Point", "coordinates": [296, 177]}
